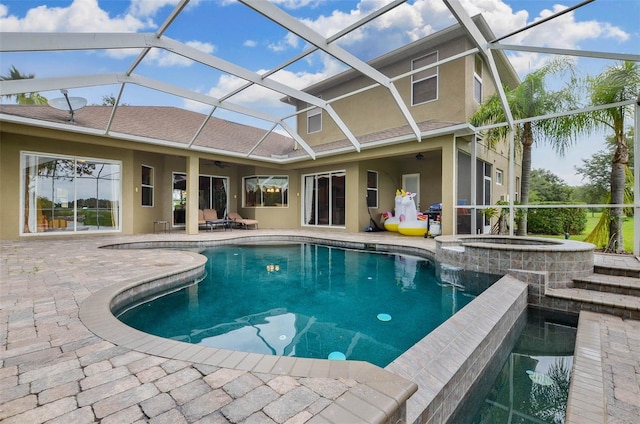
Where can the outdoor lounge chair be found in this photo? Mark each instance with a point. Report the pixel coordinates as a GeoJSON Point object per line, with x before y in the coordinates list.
{"type": "Point", "coordinates": [210, 219]}
{"type": "Point", "coordinates": [206, 216]}
{"type": "Point", "coordinates": [210, 214]}
{"type": "Point", "coordinates": [242, 222]}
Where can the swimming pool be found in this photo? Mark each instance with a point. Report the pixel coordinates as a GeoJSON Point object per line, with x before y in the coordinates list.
{"type": "Point", "coordinates": [309, 300]}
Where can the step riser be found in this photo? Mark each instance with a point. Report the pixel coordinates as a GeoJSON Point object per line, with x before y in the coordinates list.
{"type": "Point", "coordinates": [606, 288]}
{"type": "Point", "coordinates": [618, 272]}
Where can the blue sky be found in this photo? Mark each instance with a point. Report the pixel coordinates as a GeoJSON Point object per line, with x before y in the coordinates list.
{"type": "Point", "coordinates": [237, 34]}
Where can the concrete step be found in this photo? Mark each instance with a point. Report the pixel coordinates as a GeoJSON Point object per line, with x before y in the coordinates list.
{"type": "Point", "coordinates": [618, 265]}
{"type": "Point", "coordinates": [622, 305]}
{"type": "Point", "coordinates": [609, 284]}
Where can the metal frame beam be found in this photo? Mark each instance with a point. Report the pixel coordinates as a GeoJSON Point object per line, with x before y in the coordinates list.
{"type": "Point", "coordinates": [481, 43]}
{"type": "Point", "coordinates": [567, 52]}
{"type": "Point", "coordinates": [288, 22]}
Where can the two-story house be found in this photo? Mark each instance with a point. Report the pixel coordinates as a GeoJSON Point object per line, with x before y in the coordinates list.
{"type": "Point", "coordinates": [123, 169]}
{"type": "Point", "coordinates": [436, 163]}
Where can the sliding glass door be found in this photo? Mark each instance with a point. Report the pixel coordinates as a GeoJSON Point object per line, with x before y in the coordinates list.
{"type": "Point", "coordinates": [212, 194]}
{"type": "Point", "coordinates": [70, 194]}
{"type": "Point", "coordinates": [324, 199]}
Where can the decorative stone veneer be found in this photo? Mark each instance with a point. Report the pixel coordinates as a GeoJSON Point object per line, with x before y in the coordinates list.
{"type": "Point", "coordinates": [563, 260]}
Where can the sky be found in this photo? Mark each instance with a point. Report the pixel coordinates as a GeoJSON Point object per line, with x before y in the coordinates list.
{"type": "Point", "coordinates": [237, 34]}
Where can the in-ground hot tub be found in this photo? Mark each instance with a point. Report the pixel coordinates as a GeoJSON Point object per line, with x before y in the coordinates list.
{"type": "Point", "coordinates": [562, 260]}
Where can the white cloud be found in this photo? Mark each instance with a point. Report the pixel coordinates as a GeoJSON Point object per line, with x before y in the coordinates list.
{"type": "Point", "coordinates": [250, 43]}
{"type": "Point", "coordinates": [409, 22]}
{"type": "Point", "coordinates": [561, 32]}
{"type": "Point", "coordinates": [165, 58]}
{"type": "Point", "coordinates": [79, 16]}
{"type": "Point", "coordinates": [87, 16]}
{"type": "Point", "coordinates": [296, 4]}
{"type": "Point", "coordinates": [258, 97]}
{"type": "Point", "coordinates": [149, 8]}
{"type": "Point", "coordinates": [565, 32]}
{"type": "Point", "coordinates": [290, 41]}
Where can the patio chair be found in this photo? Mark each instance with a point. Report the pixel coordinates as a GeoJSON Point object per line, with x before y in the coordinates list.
{"type": "Point", "coordinates": [210, 214]}
{"type": "Point", "coordinates": [242, 222]}
{"type": "Point", "coordinates": [212, 221]}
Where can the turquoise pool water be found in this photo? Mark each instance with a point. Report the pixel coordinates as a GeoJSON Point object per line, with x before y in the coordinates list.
{"type": "Point", "coordinates": [312, 301]}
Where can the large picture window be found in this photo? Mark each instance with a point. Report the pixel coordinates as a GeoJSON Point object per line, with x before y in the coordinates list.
{"type": "Point", "coordinates": [265, 191]}
{"type": "Point", "coordinates": [69, 194]}
{"type": "Point", "coordinates": [324, 199]}
{"type": "Point", "coordinates": [424, 84]}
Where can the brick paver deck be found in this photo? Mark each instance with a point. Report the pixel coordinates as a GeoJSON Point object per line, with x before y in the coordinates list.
{"type": "Point", "coordinates": [54, 369]}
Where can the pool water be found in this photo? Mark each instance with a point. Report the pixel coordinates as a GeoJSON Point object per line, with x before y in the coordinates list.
{"type": "Point", "coordinates": [307, 300]}
{"type": "Point", "coordinates": [533, 384]}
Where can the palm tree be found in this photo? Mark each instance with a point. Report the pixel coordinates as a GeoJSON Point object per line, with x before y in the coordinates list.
{"type": "Point", "coordinates": [530, 99]}
{"type": "Point", "coordinates": [617, 83]}
{"type": "Point", "coordinates": [23, 98]}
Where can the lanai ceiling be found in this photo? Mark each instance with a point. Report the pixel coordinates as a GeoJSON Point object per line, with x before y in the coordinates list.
{"type": "Point", "coordinates": [136, 75]}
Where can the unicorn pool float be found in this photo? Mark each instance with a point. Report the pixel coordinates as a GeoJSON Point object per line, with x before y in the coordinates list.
{"type": "Point", "coordinates": [391, 221]}
{"type": "Point", "coordinates": [407, 221]}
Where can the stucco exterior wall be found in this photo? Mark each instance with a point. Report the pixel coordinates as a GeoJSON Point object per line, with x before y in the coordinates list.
{"type": "Point", "coordinates": [376, 110]}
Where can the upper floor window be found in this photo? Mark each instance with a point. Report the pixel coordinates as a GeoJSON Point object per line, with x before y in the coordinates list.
{"type": "Point", "coordinates": [314, 120]}
{"type": "Point", "coordinates": [147, 185]}
{"type": "Point", "coordinates": [477, 80]}
{"type": "Point", "coordinates": [424, 84]}
{"type": "Point", "coordinates": [372, 189]}
{"type": "Point", "coordinates": [266, 190]}
{"type": "Point", "coordinates": [499, 176]}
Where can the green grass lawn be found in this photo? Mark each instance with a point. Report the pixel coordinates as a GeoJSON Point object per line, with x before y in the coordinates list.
{"type": "Point", "coordinates": [592, 220]}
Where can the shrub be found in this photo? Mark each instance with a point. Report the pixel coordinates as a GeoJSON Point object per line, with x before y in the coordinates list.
{"type": "Point", "coordinates": [556, 221]}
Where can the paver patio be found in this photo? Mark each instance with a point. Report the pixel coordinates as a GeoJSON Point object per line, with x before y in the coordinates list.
{"type": "Point", "coordinates": [55, 370]}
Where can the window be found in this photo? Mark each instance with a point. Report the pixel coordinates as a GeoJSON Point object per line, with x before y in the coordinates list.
{"type": "Point", "coordinates": [372, 189]}
{"type": "Point", "coordinates": [314, 120]}
{"type": "Point", "coordinates": [265, 191]}
{"type": "Point", "coordinates": [147, 185]}
{"type": "Point", "coordinates": [69, 194]}
{"type": "Point", "coordinates": [324, 199]}
{"type": "Point", "coordinates": [499, 176]}
{"type": "Point", "coordinates": [477, 80]}
{"type": "Point", "coordinates": [424, 84]}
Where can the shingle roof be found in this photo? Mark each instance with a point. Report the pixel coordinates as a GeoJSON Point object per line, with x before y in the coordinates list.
{"type": "Point", "coordinates": [164, 123]}
{"type": "Point", "coordinates": [179, 126]}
